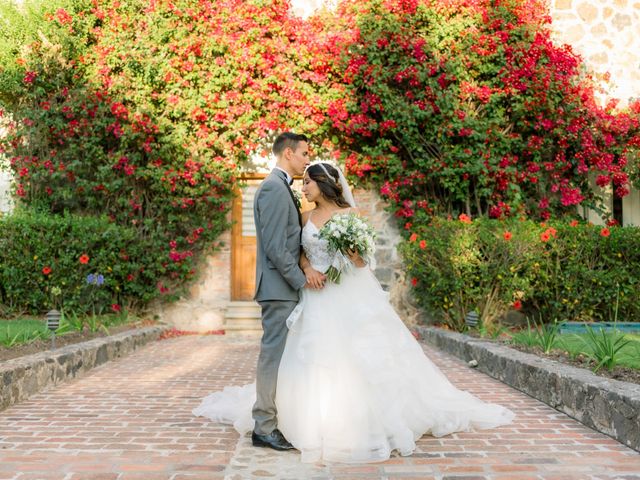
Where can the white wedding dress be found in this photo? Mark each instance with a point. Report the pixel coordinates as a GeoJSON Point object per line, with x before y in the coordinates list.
{"type": "Point", "coordinates": [353, 383]}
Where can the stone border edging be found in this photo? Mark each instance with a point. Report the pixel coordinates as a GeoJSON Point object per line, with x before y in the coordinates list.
{"type": "Point", "coordinates": [24, 376]}
{"type": "Point", "coordinates": [609, 406]}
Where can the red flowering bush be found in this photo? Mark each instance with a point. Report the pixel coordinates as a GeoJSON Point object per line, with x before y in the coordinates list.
{"type": "Point", "coordinates": [468, 106]}
{"type": "Point", "coordinates": [563, 271]}
{"type": "Point", "coordinates": [144, 111]}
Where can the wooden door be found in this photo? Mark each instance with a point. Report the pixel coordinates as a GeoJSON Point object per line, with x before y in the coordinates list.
{"type": "Point", "coordinates": [243, 240]}
{"type": "Point", "coordinates": [243, 237]}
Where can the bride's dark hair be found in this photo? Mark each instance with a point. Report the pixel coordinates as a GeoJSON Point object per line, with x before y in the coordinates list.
{"type": "Point", "coordinates": [329, 185]}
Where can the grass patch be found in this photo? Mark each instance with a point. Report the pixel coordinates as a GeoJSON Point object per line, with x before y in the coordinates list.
{"type": "Point", "coordinates": [627, 356]}
{"type": "Point", "coordinates": [607, 349]}
{"type": "Point", "coordinates": [22, 330]}
{"type": "Point", "coordinates": [28, 329]}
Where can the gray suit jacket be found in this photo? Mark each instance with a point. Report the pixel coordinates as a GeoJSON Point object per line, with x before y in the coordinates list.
{"type": "Point", "coordinates": [278, 275]}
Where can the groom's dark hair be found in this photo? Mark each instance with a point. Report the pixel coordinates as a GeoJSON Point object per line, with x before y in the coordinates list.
{"type": "Point", "coordinates": [287, 140]}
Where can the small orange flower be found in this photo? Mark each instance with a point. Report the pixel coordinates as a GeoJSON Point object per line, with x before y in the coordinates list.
{"type": "Point", "coordinates": [84, 259]}
{"type": "Point", "coordinates": [605, 232]}
{"type": "Point", "coordinates": [423, 244]}
{"type": "Point", "coordinates": [574, 223]}
{"type": "Point", "coordinates": [46, 270]}
{"type": "Point", "coordinates": [552, 231]}
{"type": "Point", "coordinates": [507, 235]}
{"type": "Point", "coordinates": [413, 237]}
{"type": "Point", "coordinates": [544, 236]}
{"type": "Point", "coordinates": [464, 218]}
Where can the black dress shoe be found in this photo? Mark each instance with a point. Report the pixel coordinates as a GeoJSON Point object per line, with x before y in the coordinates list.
{"type": "Point", "coordinates": [273, 440]}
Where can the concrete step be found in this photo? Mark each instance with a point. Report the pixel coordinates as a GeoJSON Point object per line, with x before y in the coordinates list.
{"type": "Point", "coordinates": [242, 314]}
{"type": "Point", "coordinates": [243, 318]}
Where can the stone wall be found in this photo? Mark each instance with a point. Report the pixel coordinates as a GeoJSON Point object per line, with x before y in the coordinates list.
{"type": "Point", "coordinates": [388, 270]}
{"type": "Point", "coordinates": [388, 262]}
{"type": "Point", "coordinates": [606, 34]}
{"type": "Point", "coordinates": [203, 308]}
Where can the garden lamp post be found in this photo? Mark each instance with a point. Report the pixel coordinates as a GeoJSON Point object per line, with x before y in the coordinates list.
{"type": "Point", "coordinates": [471, 320]}
{"type": "Point", "coordinates": [53, 322]}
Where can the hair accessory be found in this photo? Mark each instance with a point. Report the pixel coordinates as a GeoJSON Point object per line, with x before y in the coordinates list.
{"type": "Point", "coordinates": [342, 181]}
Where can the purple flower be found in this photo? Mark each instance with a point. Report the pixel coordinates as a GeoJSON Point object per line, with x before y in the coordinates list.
{"type": "Point", "coordinates": [95, 279]}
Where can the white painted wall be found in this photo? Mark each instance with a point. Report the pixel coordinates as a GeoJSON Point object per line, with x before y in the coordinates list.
{"type": "Point", "coordinates": [5, 187]}
{"type": "Point", "coordinates": [631, 209]}
{"type": "Point", "coordinates": [5, 183]}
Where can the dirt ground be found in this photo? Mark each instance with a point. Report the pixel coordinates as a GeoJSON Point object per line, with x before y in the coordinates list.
{"type": "Point", "coordinates": [624, 374]}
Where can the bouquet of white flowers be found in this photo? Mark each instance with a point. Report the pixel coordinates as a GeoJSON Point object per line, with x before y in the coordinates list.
{"type": "Point", "coordinates": [343, 232]}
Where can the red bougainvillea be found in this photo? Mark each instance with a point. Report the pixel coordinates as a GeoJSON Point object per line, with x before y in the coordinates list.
{"type": "Point", "coordinates": [469, 106]}
{"type": "Point", "coordinates": [145, 111]}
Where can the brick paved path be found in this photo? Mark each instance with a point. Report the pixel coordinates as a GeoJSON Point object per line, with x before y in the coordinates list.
{"type": "Point", "coordinates": [131, 419]}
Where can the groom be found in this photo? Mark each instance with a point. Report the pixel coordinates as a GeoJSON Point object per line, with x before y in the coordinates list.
{"type": "Point", "coordinates": [278, 277]}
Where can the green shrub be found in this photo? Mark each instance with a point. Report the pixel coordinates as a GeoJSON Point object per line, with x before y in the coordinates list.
{"type": "Point", "coordinates": [550, 271]}
{"type": "Point", "coordinates": [41, 264]}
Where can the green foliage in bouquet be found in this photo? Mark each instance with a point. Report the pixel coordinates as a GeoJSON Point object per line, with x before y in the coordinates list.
{"type": "Point", "coordinates": [346, 233]}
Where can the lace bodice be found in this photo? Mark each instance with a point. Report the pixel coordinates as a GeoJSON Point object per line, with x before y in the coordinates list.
{"type": "Point", "coordinates": [315, 247]}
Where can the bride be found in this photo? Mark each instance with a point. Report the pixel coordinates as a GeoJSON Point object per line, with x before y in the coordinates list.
{"type": "Point", "coordinates": [353, 383]}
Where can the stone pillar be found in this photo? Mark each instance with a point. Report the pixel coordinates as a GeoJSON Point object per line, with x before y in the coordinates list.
{"type": "Point", "coordinates": [371, 206]}
{"type": "Point", "coordinates": [6, 203]}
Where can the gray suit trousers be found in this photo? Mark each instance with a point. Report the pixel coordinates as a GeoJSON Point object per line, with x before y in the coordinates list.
{"type": "Point", "coordinates": [274, 337]}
